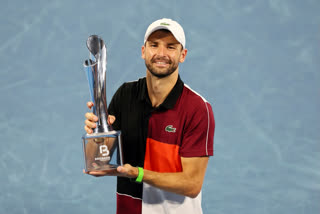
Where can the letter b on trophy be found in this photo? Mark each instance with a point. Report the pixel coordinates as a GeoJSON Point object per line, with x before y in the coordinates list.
{"type": "Point", "coordinates": [102, 149]}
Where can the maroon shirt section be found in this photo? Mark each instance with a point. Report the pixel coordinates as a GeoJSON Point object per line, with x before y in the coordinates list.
{"type": "Point", "coordinates": [189, 124]}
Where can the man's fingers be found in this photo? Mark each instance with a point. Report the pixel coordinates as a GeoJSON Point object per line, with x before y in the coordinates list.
{"type": "Point", "coordinates": [95, 174]}
{"type": "Point", "coordinates": [90, 105]}
{"type": "Point", "coordinates": [91, 116]}
{"type": "Point", "coordinates": [111, 119]}
{"type": "Point", "coordinates": [122, 170]}
{"type": "Point", "coordinates": [90, 124]}
{"type": "Point", "coordinates": [128, 171]}
{"type": "Point", "coordinates": [88, 130]}
{"type": "Point", "coordinates": [102, 173]}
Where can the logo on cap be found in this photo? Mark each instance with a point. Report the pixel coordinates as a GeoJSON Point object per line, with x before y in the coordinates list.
{"type": "Point", "coordinates": [165, 24]}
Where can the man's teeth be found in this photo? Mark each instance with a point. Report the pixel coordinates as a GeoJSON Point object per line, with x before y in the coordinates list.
{"type": "Point", "coordinates": [161, 63]}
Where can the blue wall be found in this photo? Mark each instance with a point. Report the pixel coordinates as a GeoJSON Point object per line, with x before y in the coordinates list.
{"type": "Point", "coordinates": [257, 62]}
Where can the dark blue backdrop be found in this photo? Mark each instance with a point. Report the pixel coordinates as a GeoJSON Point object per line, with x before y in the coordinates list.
{"type": "Point", "coordinates": [257, 62]}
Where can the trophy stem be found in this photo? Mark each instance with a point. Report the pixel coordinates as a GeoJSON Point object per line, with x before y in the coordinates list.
{"type": "Point", "coordinates": [96, 72]}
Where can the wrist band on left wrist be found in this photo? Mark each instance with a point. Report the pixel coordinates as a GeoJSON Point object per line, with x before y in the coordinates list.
{"type": "Point", "coordinates": [140, 175]}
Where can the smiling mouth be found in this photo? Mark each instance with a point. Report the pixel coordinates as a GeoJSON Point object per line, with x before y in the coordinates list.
{"type": "Point", "coordinates": [161, 63]}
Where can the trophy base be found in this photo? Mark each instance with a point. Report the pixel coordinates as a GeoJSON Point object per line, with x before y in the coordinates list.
{"type": "Point", "coordinates": [103, 151]}
{"type": "Point", "coordinates": [106, 168]}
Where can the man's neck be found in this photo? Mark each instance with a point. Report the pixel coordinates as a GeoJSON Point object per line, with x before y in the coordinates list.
{"type": "Point", "coordinates": [159, 88]}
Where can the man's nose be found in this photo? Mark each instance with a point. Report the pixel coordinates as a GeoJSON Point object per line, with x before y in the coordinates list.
{"type": "Point", "coordinates": [161, 50]}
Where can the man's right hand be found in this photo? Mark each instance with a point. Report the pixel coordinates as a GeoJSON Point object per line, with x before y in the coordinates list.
{"type": "Point", "coordinates": [92, 119]}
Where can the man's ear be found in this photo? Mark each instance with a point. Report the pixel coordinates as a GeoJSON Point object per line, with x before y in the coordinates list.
{"type": "Point", "coordinates": [183, 55]}
{"type": "Point", "coordinates": [143, 52]}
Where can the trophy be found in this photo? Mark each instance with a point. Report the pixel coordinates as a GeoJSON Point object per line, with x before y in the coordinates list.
{"type": "Point", "coordinates": [103, 148]}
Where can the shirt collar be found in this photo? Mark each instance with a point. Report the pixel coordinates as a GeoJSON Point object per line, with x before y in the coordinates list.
{"type": "Point", "coordinates": [171, 99]}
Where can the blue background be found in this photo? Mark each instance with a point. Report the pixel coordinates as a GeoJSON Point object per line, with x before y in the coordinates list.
{"type": "Point", "coordinates": [257, 62]}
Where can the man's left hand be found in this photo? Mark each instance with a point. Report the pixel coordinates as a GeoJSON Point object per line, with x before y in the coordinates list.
{"type": "Point", "coordinates": [123, 171]}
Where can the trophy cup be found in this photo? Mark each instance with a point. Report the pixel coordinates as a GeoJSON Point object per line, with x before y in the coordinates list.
{"type": "Point", "coordinates": [103, 148]}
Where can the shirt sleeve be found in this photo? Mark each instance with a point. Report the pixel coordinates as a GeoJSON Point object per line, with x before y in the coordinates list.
{"type": "Point", "coordinates": [199, 132]}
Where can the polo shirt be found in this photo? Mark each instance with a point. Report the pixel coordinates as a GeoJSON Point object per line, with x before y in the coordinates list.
{"type": "Point", "coordinates": [156, 138]}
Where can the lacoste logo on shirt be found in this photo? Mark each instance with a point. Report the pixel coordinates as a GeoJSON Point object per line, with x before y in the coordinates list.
{"type": "Point", "coordinates": [169, 128]}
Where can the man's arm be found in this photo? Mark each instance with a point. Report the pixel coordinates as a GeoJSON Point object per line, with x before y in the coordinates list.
{"type": "Point", "coordinates": [188, 182]}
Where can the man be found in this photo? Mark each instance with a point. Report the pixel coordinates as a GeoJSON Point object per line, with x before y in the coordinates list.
{"type": "Point", "coordinates": [167, 131]}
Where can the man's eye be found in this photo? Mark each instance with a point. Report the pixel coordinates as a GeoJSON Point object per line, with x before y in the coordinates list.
{"type": "Point", "coordinates": [171, 47]}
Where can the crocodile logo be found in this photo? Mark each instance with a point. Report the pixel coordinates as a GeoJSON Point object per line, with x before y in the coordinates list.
{"type": "Point", "coordinates": [169, 128]}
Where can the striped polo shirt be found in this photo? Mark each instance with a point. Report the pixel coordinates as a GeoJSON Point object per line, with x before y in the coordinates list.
{"type": "Point", "coordinates": [155, 139]}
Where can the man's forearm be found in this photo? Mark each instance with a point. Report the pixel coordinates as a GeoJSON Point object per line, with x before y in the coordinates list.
{"type": "Point", "coordinates": [188, 182]}
{"type": "Point", "coordinates": [176, 182]}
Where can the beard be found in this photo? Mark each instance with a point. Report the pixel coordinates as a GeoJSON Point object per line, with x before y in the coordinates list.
{"type": "Point", "coordinates": [158, 72]}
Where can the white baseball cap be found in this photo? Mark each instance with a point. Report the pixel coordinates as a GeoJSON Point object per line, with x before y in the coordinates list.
{"type": "Point", "coordinates": [170, 25]}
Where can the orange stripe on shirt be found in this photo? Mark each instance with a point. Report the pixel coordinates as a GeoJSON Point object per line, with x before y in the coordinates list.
{"type": "Point", "coordinates": [162, 157]}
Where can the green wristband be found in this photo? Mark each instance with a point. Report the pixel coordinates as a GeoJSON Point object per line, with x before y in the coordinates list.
{"type": "Point", "coordinates": [140, 175]}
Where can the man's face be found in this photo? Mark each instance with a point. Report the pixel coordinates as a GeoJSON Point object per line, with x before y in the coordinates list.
{"type": "Point", "coordinates": [162, 53]}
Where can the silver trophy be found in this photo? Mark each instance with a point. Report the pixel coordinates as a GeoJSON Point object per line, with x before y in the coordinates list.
{"type": "Point", "coordinates": [103, 148]}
